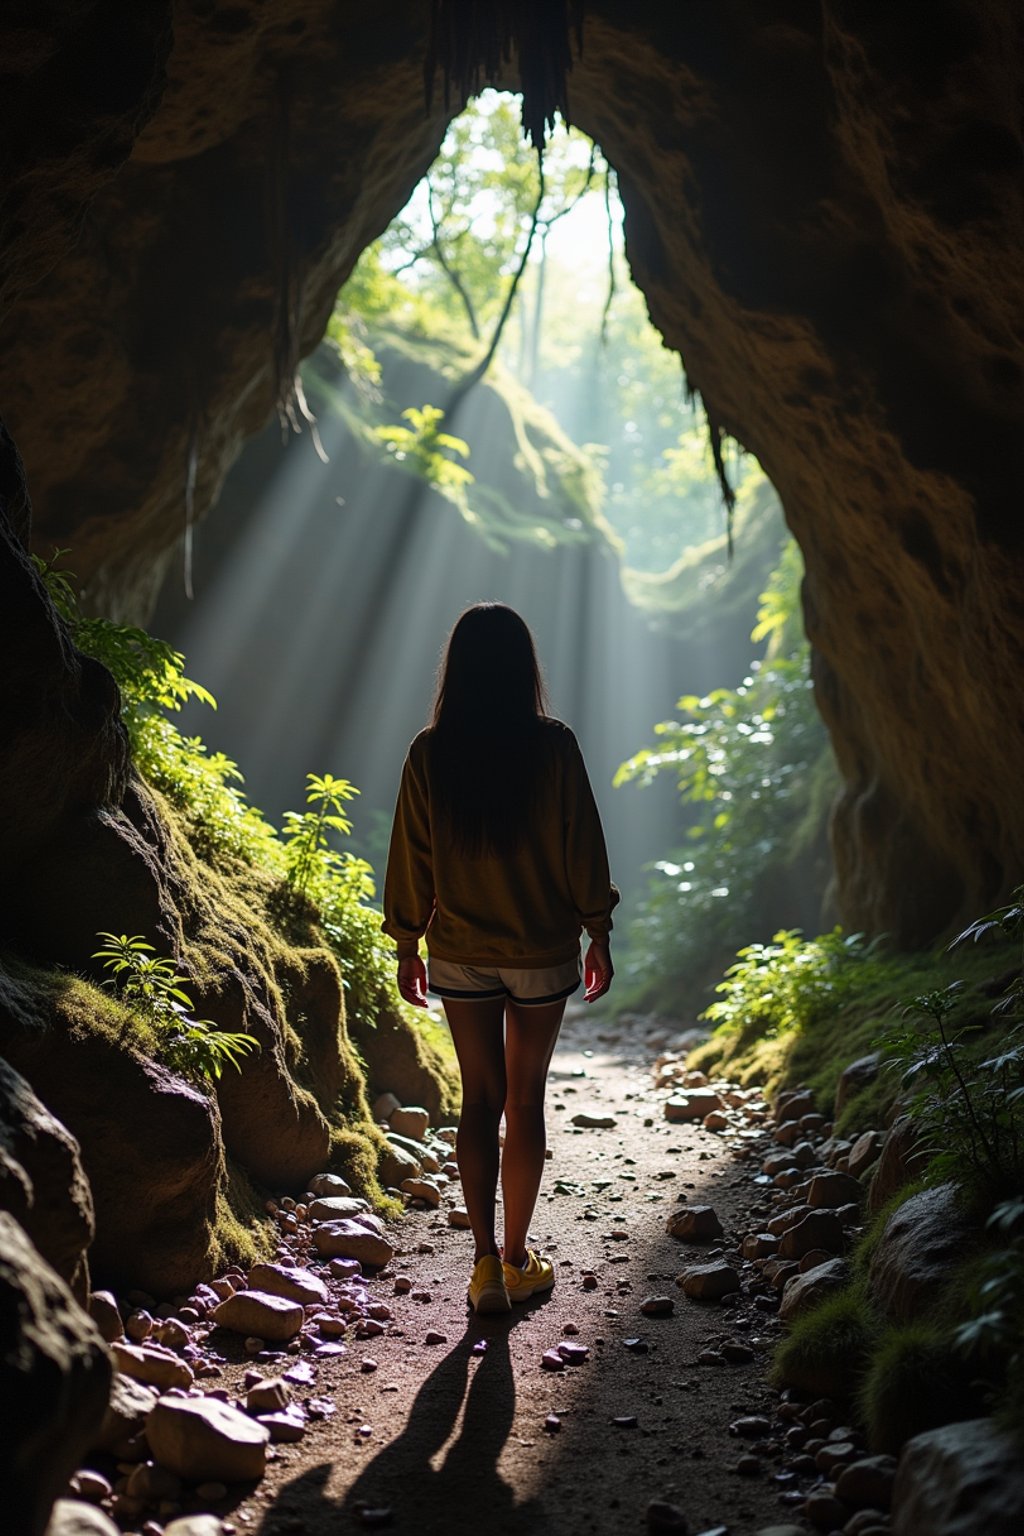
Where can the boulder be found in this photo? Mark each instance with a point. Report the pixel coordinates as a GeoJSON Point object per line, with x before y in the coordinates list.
{"type": "Point", "coordinates": [708, 1282]}
{"type": "Point", "coordinates": [817, 1229]}
{"type": "Point", "coordinates": [42, 1182]}
{"type": "Point", "coordinates": [694, 1224]}
{"type": "Point", "coordinates": [335, 1207]}
{"type": "Point", "coordinates": [901, 1160]}
{"type": "Point", "coordinates": [854, 1078]}
{"type": "Point", "coordinates": [72, 1517]}
{"type": "Point", "coordinates": [694, 1104]}
{"type": "Point", "coordinates": [151, 1364]}
{"type": "Point", "coordinates": [329, 1184]}
{"type": "Point", "coordinates": [290, 1281]}
{"type": "Point", "coordinates": [54, 1380]}
{"type": "Point", "coordinates": [105, 1313]}
{"type": "Point", "coordinates": [154, 1167]}
{"type": "Point", "coordinates": [352, 1240]}
{"type": "Point", "coordinates": [804, 1291]}
{"type": "Point", "coordinates": [834, 1189]}
{"type": "Point", "coordinates": [422, 1189]}
{"type": "Point", "coordinates": [396, 1165]}
{"type": "Point", "coordinates": [863, 1153]}
{"type": "Point", "coordinates": [195, 1525]}
{"type": "Point", "coordinates": [793, 1104]}
{"type": "Point", "coordinates": [868, 1483]}
{"type": "Point", "coordinates": [204, 1440]}
{"type": "Point", "coordinates": [130, 1405]}
{"type": "Point", "coordinates": [959, 1480]}
{"type": "Point", "coordinates": [410, 1120]}
{"type": "Point", "coordinates": [261, 1315]}
{"type": "Point", "coordinates": [384, 1106]}
{"type": "Point", "coordinates": [920, 1242]}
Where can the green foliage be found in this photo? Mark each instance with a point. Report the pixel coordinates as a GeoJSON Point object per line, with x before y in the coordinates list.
{"type": "Point", "coordinates": [827, 1350]}
{"type": "Point", "coordinates": [424, 450]}
{"type": "Point", "coordinates": [789, 984]}
{"type": "Point", "coordinates": [149, 985]}
{"type": "Point", "coordinates": [308, 855]}
{"type": "Point", "coordinates": [914, 1382]}
{"type": "Point", "coordinates": [750, 764]}
{"type": "Point", "coordinates": [968, 1102]}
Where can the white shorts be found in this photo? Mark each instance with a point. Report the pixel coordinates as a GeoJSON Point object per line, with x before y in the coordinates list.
{"type": "Point", "coordinates": [529, 987]}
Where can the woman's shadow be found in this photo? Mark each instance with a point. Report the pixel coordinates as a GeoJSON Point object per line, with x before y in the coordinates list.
{"type": "Point", "coordinates": [402, 1478]}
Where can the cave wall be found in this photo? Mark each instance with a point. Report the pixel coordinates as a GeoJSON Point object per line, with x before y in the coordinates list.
{"type": "Point", "coordinates": [823, 207]}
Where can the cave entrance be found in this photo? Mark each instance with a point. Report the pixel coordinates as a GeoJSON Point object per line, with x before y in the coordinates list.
{"type": "Point", "coordinates": [573, 479]}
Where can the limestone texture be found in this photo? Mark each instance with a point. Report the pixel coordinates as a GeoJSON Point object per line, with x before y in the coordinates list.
{"type": "Point", "coordinates": [54, 1380]}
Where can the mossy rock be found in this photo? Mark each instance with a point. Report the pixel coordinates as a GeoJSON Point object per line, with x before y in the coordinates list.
{"type": "Point", "coordinates": [827, 1351]}
{"type": "Point", "coordinates": [406, 1061]}
{"type": "Point", "coordinates": [915, 1381]}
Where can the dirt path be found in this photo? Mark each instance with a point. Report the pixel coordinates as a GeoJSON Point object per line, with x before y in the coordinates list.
{"type": "Point", "coordinates": [457, 1435]}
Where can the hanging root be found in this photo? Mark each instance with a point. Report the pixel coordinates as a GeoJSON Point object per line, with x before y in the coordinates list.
{"type": "Point", "coordinates": [471, 41]}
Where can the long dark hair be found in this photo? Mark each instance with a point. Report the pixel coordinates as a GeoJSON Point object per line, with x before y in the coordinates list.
{"type": "Point", "coordinates": [487, 757]}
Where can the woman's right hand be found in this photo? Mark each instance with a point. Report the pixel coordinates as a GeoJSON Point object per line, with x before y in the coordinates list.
{"type": "Point", "coordinates": [597, 971]}
{"type": "Point", "coordinates": [412, 981]}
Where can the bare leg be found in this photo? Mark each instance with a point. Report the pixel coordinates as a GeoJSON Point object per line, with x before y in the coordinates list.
{"type": "Point", "coordinates": [530, 1041]}
{"type": "Point", "coordinates": [477, 1035]}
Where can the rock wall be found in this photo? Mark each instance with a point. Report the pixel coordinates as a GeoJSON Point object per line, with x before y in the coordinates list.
{"type": "Point", "coordinates": [824, 210]}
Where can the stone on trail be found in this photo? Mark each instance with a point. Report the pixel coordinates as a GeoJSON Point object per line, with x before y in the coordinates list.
{"type": "Point", "coordinates": [284, 1428]}
{"type": "Point", "coordinates": [351, 1239]}
{"type": "Point", "coordinates": [270, 1396]}
{"type": "Point", "coordinates": [152, 1364]}
{"type": "Point", "coordinates": [327, 1184]}
{"type": "Point", "coordinates": [708, 1282]}
{"type": "Point", "coordinates": [863, 1153]}
{"type": "Point", "coordinates": [410, 1121]}
{"type": "Point", "coordinates": [435, 1336]}
{"type": "Point", "coordinates": [692, 1105]}
{"type": "Point", "coordinates": [760, 1245]}
{"type": "Point", "coordinates": [959, 1480]}
{"type": "Point", "coordinates": [203, 1438]}
{"type": "Point", "coordinates": [195, 1525]}
{"type": "Point", "coordinates": [717, 1120]}
{"type": "Point", "coordinates": [663, 1517]}
{"type": "Point", "coordinates": [345, 1269]}
{"type": "Point", "coordinates": [71, 1517]}
{"type": "Point", "coordinates": [911, 1262]}
{"type": "Point", "coordinates": [103, 1310]}
{"type": "Point", "coordinates": [126, 1413]}
{"type": "Point", "coordinates": [694, 1224]}
{"type": "Point", "coordinates": [261, 1314]}
{"type": "Point", "coordinates": [588, 1122]}
{"type": "Point", "coordinates": [832, 1189]}
{"type": "Point", "coordinates": [657, 1306]}
{"type": "Point", "coordinates": [818, 1229]}
{"type": "Point", "coordinates": [395, 1165]}
{"type": "Point", "coordinates": [336, 1207]}
{"type": "Point", "coordinates": [551, 1360]}
{"type": "Point", "coordinates": [290, 1281]}
{"type": "Point", "coordinates": [384, 1107]}
{"type": "Point", "coordinates": [573, 1354]}
{"type": "Point", "coordinates": [458, 1216]}
{"type": "Point", "coordinates": [868, 1482]}
{"type": "Point", "coordinates": [803, 1292]}
{"type": "Point", "coordinates": [422, 1189]}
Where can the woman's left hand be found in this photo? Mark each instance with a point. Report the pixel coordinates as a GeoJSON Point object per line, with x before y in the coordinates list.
{"type": "Point", "coordinates": [412, 981]}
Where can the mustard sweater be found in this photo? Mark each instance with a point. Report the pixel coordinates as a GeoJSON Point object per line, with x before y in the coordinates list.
{"type": "Point", "coordinates": [524, 910]}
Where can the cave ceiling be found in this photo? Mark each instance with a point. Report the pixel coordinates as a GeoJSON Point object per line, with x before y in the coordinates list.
{"type": "Point", "coordinates": [823, 208]}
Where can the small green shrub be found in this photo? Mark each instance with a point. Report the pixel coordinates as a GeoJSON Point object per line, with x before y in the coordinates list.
{"type": "Point", "coordinates": [826, 1352]}
{"type": "Point", "coordinates": [148, 984]}
{"type": "Point", "coordinates": [915, 1381]}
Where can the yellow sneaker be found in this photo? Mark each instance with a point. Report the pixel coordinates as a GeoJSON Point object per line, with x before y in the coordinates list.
{"type": "Point", "coordinates": [487, 1291]}
{"type": "Point", "coordinates": [537, 1274]}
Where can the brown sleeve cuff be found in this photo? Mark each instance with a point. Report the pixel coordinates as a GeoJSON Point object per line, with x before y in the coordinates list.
{"type": "Point", "coordinates": [408, 949]}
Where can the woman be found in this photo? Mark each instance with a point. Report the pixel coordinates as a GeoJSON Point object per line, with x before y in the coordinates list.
{"type": "Point", "coordinates": [498, 857]}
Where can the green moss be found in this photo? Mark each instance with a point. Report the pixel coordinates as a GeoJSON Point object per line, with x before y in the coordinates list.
{"type": "Point", "coordinates": [242, 1233]}
{"type": "Point", "coordinates": [915, 1381]}
{"type": "Point", "coordinates": [827, 1351]}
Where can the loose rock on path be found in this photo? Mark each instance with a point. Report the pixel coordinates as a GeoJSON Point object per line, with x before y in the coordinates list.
{"type": "Point", "coordinates": [633, 1396]}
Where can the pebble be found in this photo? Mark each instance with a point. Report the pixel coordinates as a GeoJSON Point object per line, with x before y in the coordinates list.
{"type": "Point", "coordinates": [625, 1421]}
{"type": "Point", "coordinates": [551, 1360]}
{"type": "Point", "coordinates": [345, 1269]}
{"type": "Point", "coordinates": [410, 1120]}
{"type": "Point", "coordinates": [552, 1423]}
{"type": "Point", "coordinates": [657, 1306]}
{"type": "Point", "coordinates": [375, 1516]}
{"type": "Point", "coordinates": [353, 1239]}
{"type": "Point", "coordinates": [91, 1485]}
{"type": "Point", "coordinates": [152, 1365]}
{"type": "Point", "coordinates": [572, 1354]}
{"type": "Point", "coordinates": [748, 1466]}
{"type": "Point", "coordinates": [367, 1364]}
{"type": "Point", "coordinates": [434, 1336]}
{"type": "Point", "coordinates": [588, 1122]}
{"type": "Point", "coordinates": [589, 1282]}
{"type": "Point", "coordinates": [284, 1428]}
{"type": "Point", "coordinates": [268, 1396]}
{"type": "Point", "coordinates": [330, 1183]}
{"type": "Point", "coordinates": [750, 1427]}
{"type": "Point", "coordinates": [337, 1207]}
{"type": "Point", "coordinates": [138, 1326]}
{"type": "Point", "coordinates": [458, 1217]}
{"type": "Point", "coordinates": [694, 1105]}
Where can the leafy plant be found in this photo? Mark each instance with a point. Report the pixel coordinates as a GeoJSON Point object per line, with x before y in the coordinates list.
{"type": "Point", "coordinates": [790, 983]}
{"type": "Point", "coordinates": [149, 985]}
{"type": "Point", "coordinates": [307, 850]}
{"type": "Point", "coordinates": [424, 450]}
